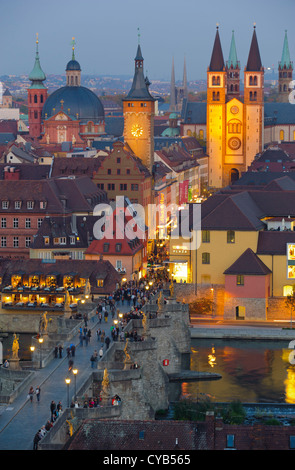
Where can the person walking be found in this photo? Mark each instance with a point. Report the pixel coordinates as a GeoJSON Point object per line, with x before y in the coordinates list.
{"type": "Point", "coordinates": [38, 392]}
{"type": "Point", "coordinates": [107, 342]}
{"type": "Point", "coordinates": [31, 393]}
{"type": "Point", "coordinates": [101, 352]}
{"type": "Point", "coordinates": [60, 348]}
{"type": "Point", "coordinates": [36, 440]}
{"type": "Point", "coordinates": [52, 409]}
{"type": "Point", "coordinates": [59, 407]}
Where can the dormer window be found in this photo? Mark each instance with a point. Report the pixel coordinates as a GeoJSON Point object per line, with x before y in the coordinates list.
{"type": "Point", "coordinates": [42, 204]}
{"type": "Point", "coordinates": [5, 204]}
{"type": "Point", "coordinates": [46, 240]}
{"type": "Point", "coordinates": [72, 240]}
{"type": "Point", "coordinates": [17, 204]}
{"type": "Point", "coordinates": [30, 204]}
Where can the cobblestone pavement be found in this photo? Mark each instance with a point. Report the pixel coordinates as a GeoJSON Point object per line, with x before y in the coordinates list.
{"type": "Point", "coordinates": [20, 420]}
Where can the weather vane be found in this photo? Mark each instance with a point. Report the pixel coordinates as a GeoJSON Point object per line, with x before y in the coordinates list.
{"type": "Point", "coordinates": [73, 47]}
{"type": "Point", "coordinates": [138, 34]}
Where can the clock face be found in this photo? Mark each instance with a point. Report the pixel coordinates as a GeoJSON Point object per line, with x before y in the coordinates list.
{"type": "Point", "coordinates": [136, 130]}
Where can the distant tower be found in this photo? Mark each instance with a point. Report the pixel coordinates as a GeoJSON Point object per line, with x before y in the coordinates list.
{"type": "Point", "coordinates": [172, 90]}
{"type": "Point", "coordinates": [138, 112]}
{"type": "Point", "coordinates": [7, 99]}
{"type": "Point", "coordinates": [285, 73]}
{"type": "Point", "coordinates": [185, 90]}
{"type": "Point", "coordinates": [253, 102]}
{"type": "Point", "coordinates": [37, 95]}
{"type": "Point", "coordinates": [233, 71]}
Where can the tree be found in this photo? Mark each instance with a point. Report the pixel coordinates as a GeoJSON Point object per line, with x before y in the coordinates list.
{"type": "Point", "coordinates": [201, 306]}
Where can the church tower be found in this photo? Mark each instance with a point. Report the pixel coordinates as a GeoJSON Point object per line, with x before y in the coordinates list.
{"type": "Point", "coordinates": [216, 113]}
{"type": "Point", "coordinates": [37, 95]}
{"type": "Point", "coordinates": [138, 112]}
{"type": "Point", "coordinates": [285, 73]}
{"type": "Point", "coordinates": [253, 103]}
{"type": "Point", "coordinates": [233, 71]}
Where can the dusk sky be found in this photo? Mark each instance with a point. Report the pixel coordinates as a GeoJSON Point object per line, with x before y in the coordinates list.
{"type": "Point", "coordinates": [106, 34]}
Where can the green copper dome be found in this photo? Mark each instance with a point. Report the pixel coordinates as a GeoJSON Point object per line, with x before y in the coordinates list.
{"type": "Point", "coordinates": [37, 76]}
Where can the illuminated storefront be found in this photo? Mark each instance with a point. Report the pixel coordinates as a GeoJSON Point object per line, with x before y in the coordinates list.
{"type": "Point", "coordinates": [290, 261]}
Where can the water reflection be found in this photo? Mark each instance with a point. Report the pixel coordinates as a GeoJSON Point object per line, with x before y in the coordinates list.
{"type": "Point", "coordinates": [252, 371]}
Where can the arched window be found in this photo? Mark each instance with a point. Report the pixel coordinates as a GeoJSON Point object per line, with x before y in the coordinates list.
{"type": "Point", "coordinates": [285, 87]}
{"type": "Point", "coordinates": [41, 98]}
{"type": "Point", "coordinates": [282, 134]}
{"type": "Point", "coordinates": [251, 80]}
{"type": "Point", "coordinates": [218, 81]}
{"type": "Point", "coordinates": [234, 175]}
{"type": "Point", "coordinates": [35, 99]}
{"type": "Point", "coordinates": [255, 80]}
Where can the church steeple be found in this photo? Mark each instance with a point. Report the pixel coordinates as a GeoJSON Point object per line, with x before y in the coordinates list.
{"type": "Point", "coordinates": [285, 72]}
{"type": "Point", "coordinates": [37, 76]}
{"type": "Point", "coordinates": [233, 71]}
{"type": "Point", "coordinates": [37, 95]}
{"type": "Point", "coordinates": [172, 89]}
{"type": "Point", "coordinates": [185, 91]}
{"type": "Point", "coordinates": [254, 63]}
{"type": "Point", "coordinates": [217, 61]}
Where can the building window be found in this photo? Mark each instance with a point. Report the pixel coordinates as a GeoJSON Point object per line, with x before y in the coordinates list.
{"type": "Point", "coordinates": [72, 240]}
{"type": "Point", "coordinates": [106, 247]}
{"type": "Point", "coordinates": [118, 171]}
{"type": "Point", "coordinates": [134, 187]}
{"type": "Point", "coordinates": [118, 160]}
{"type": "Point", "coordinates": [30, 205]}
{"type": "Point", "coordinates": [42, 205]}
{"type": "Point", "coordinates": [3, 222]}
{"type": "Point", "coordinates": [39, 223]}
{"type": "Point", "coordinates": [128, 169]}
{"type": "Point", "coordinates": [282, 135]}
{"type": "Point", "coordinates": [123, 187]}
{"type": "Point", "coordinates": [205, 258]}
{"type": "Point", "coordinates": [3, 242]}
{"type": "Point", "coordinates": [4, 204]}
{"type": "Point", "coordinates": [99, 282]}
{"type": "Point", "coordinates": [118, 264]}
{"type": "Point", "coordinates": [111, 187]}
{"type": "Point", "coordinates": [56, 241]}
{"type": "Point", "coordinates": [17, 205]}
{"type": "Point", "coordinates": [15, 242]}
{"type": "Point", "coordinates": [100, 185]}
{"type": "Point", "coordinates": [240, 280]}
{"type": "Point", "coordinates": [230, 441]}
{"type": "Point", "coordinates": [46, 240]}
{"type": "Point", "coordinates": [205, 236]}
{"type": "Point", "coordinates": [28, 242]}
{"type": "Point", "coordinates": [63, 240]}
{"type": "Point", "coordinates": [15, 222]}
{"type": "Point", "coordinates": [118, 247]}
{"type": "Point", "coordinates": [28, 223]}
{"type": "Point", "coordinates": [230, 236]}
{"type": "Point", "coordinates": [109, 171]}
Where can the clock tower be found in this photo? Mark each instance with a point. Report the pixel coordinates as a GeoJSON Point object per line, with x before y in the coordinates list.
{"type": "Point", "coordinates": [138, 111]}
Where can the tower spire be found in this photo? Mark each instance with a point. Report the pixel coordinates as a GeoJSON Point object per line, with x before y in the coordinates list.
{"type": "Point", "coordinates": [254, 63]}
{"type": "Point", "coordinates": [172, 89]}
{"type": "Point", "coordinates": [233, 58]}
{"type": "Point", "coordinates": [37, 76]}
{"type": "Point", "coordinates": [185, 92]}
{"type": "Point", "coordinates": [73, 48]}
{"type": "Point", "coordinates": [285, 60]}
{"type": "Point", "coordinates": [217, 61]}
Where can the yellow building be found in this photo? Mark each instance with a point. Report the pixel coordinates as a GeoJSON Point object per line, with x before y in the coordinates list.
{"type": "Point", "coordinates": [234, 127]}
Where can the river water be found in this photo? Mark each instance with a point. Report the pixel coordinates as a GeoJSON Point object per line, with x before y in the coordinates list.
{"type": "Point", "coordinates": [252, 371]}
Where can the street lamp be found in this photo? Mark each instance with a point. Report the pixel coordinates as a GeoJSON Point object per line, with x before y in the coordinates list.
{"type": "Point", "coordinates": [40, 342]}
{"type": "Point", "coordinates": [75, 372]}
{"type": "Point", "coordinates": [68, 381]}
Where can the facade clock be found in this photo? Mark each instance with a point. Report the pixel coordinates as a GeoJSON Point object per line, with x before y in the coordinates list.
{"type": "Point", "coordinates": [234, 109]}
{"type": "Point", "coordinates": [136, 130]}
